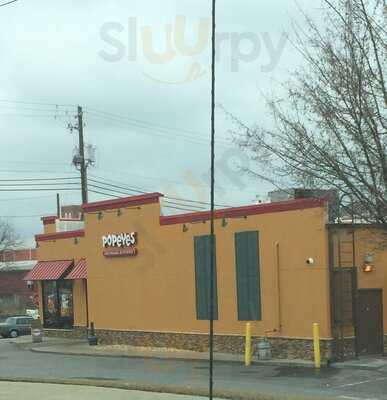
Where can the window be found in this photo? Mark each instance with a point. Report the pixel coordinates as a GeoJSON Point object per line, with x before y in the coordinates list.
{"type": "Point", "coordinates": [202, 247]}
{"type": "Point", "coordinates": [58, 304]}
{"type": "Point", "coordinates": [248, 276]}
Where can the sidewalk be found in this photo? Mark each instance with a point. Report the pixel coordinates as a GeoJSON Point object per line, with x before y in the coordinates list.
{"type": "Point", "coordinates": [37, 391]}
{"type": "Point", "coordinates": [82, 348]}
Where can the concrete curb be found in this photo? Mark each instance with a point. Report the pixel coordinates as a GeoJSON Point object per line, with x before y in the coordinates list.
{"type": "Point", "coordinates": [275, 363]}
{"type": "Point", "coordinates": [171, 389]}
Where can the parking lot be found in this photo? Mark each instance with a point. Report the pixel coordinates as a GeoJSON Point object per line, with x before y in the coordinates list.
{"type": "Point", "coordinates": [17, 362]}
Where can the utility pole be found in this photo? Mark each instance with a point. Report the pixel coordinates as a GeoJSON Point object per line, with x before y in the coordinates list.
{"type": "Point", "coordinates": [83, 166]}
{"type": "Point", "coordinates": [80, 160]}
{"type": "Point", "coordinates": [58, 213]}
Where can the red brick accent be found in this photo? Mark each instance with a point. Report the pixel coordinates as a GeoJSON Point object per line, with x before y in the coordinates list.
{"type": "Point", "coordinates": [17, 255]}
{"type": "Point", "coordinates": [11, 282]}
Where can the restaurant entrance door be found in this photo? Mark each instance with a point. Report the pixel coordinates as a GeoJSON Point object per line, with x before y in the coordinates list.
{"type": "Point", "coordinates": [58, 310]}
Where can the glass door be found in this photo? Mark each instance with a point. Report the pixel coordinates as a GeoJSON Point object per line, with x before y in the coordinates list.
{"type": "Point", "coordinates": [58, 309]}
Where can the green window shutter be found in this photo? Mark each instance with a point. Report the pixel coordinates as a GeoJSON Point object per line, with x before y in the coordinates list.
{"type": "Point", "coordinates": [202, 247]}
{"type": "Point", "coordinates": [248, 276]}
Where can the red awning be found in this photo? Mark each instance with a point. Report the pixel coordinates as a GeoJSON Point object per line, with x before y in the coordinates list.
{"type": "Point", "coordinates": [79, 271]}
{"type": "Point", "coordinates": [48, 270]}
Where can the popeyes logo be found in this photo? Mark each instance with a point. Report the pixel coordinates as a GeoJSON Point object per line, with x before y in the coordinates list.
{"type": "Point", "coordinates": [119, 245]}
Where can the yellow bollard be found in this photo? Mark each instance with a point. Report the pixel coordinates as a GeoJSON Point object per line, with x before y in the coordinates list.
{"type": "Point", "coordinates": [248, 345]}
{"type": "Point", "coordinates": [316, 346]}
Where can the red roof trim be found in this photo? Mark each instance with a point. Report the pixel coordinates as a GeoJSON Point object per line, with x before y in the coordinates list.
{"type": "Point", "coordinates": [289, 205]}
{"type": "Point", "coordinates": [49, 220]}
{"type": "Point", "coordinates": [48, 270]}
{"type": "Point", "coordinates": [59, 235]}
{"type": "Point", "coordinates": [79, 271]}
{"type": "Point", "coordinates": [147, 198]}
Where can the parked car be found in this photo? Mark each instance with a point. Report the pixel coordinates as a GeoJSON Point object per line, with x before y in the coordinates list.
{"type": "Point", "coordinates": [16, 326]}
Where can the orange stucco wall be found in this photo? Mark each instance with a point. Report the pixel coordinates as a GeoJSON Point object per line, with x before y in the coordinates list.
{"type": "Point", "coordinates": [367, 240]}
{"type": "Point", "coordinates": [49, 228]}
{"type": "Point", "coordinates": [155, 290]}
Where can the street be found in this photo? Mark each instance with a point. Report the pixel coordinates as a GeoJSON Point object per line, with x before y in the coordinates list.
{"type": "Point", "coordinates": [37, 391]}
{"type": "Point", "coordinates": [190, 377]}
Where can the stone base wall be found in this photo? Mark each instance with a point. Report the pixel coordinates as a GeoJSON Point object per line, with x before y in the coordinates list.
{"type": "Point", "coordinates": [78, 332]}
{"type": "Point", "coordinates": [287, 348]}
{"type": "Point", "coordinates": [344, 349]}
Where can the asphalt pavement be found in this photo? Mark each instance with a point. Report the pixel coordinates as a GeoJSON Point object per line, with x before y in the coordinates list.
{"type": "Point", "coordinates": [38, 391]}
{"type": "Point", "coordinates": [232, 380]}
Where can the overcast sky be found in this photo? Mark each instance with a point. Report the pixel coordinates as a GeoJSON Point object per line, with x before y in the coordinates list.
{"type": "Point", "coordinates": [112, 58]}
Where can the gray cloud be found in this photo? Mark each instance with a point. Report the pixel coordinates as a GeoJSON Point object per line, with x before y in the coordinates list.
{"type": "Point", "coordinates": [50, 53]}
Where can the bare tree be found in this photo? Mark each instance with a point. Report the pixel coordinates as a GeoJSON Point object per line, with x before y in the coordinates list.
{"type": "Point", "coordinates": [9, 240]}
{"type": "Point", "coordinates": [330, 129]}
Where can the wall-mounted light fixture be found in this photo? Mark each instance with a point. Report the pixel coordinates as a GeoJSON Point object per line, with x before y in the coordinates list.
{"type": "Point", "coordinates": [119, 212]}
{"type": "Point", "coordinates": [368, 263]}
{"type": "Point", "coordinates": [185, 228]}
{"type": "Point", "coordinates": [310, 261]}
{"type": "Point", "coordinates": [30, 284]}
{"type": "Point", "coordinates": [224, 222]}
{"type": "Point", "coordinates": [100, 215]}
{"type": "Point", "coordinates": [76, 240]}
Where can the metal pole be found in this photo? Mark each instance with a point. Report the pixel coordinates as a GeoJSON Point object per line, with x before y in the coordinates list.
{"type": "Point", "coordinates": [354, 283]}
{"type": "Point", "coordinates": [316, 346]}
{"type": "Point", "coordinates": [248, 345]}
{"type": "Point", "coordinates": [212, 250]}
{"type": "Point", "coordinates": [82, 154]}
{"type": "Point", "coordinates": [58, 213]}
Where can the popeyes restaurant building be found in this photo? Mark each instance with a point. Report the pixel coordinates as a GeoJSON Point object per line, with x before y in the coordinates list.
{"type": "Point", "coordinates": [143, 278]}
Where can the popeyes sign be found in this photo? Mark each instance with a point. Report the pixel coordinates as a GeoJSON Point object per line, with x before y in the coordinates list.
{"type": "Point", "coordinates": [118, 245]}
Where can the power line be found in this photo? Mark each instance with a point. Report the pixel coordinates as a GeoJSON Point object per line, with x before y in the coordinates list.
{"type": "Point", "coordinates": [39, 190]}
{"type": "Point", "coordinates": [37, 184]}
{"type": "Point", "coordinates": [163, 132]}
{"type": "Point", "coordinates": [125, 190]}
{"type": "Point", "coordinates": [147, 123]}
{"type": "Point", "coordinates": [39, 179]}
{"type": "Point", "coordinates": [117, 186]}
{"type": "Point", "coordinates": [110, 189]}
{"type": "Point", "coordinates": [9, 2]}
{"type": "Point", "coordinates": [180, 208]}
{"type": "Point", "coordinates": [32, 162]}
{"type": "Point", "coordinates": [165, 203]}
{"type": "Point", "coordinates": [36, 103]}
{"type": "Point", "coordinates": [147, 191]}
{"type": "Point", "coordinates": [164, 206]}
{"type": "Point", "coordinates": [18, 108]}
{"type": "Point", "coordinates": [104, 194]}
{"type": "Point", "coordinates": [192, 207]}
{"type": "Point", "coordinates": [22, 171]}
{"type": "Point", "coordinates": [175, 182]}
{"type": "Point", "coordinates": [179, 204]}
{"type": "Point", "coordinates": [29, 115]}
{"type": "Point", "coordinates": [27, 198]}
